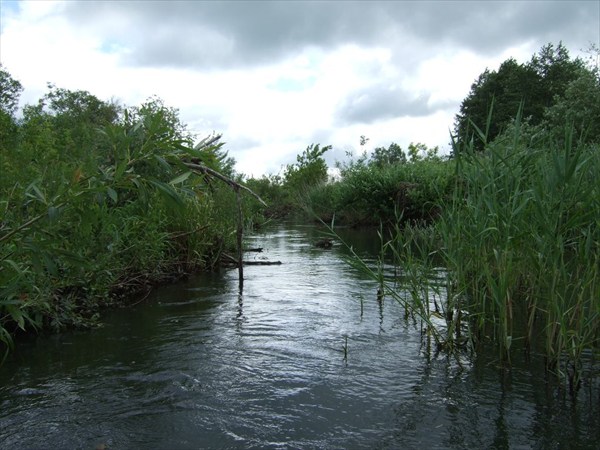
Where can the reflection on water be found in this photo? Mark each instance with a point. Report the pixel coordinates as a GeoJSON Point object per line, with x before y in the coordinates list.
{"type": "Point", "coordinates": [202, 365]}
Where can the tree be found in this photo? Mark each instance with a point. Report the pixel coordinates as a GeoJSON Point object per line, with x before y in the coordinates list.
{"type": "Point", "coordinates": [382, 156]}
{"type": "Point", "coordinates": [66, 123]}
{"type": "Point", "coordinates": [530, 88]}
{"type": "Point", "coordinates": [10, 91]}
{"type": "Point", "coordinates": [579, 107]}
{"type": "Point", "coordinates": [501, 92]}
{"type": "Point", "coordinates": [420, 152]}
{"type": "Point", "coordinates": [556, 71]}
{"type": "Point", "coordinates": [310, 169]}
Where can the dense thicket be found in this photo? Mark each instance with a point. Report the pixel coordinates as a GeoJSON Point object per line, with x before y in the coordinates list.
{"type": "Point", "coordinates": [519, 247]}
{"type": "Point", "coordinates": [369, 189]}
{"type": "Point", "coordinates": [99, 200]}
{"type": "Point", "coordinates": [387, 186]}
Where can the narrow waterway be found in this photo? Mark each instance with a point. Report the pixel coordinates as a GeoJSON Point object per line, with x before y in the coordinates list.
{"type": "Point", "coordinates": [303, 357]}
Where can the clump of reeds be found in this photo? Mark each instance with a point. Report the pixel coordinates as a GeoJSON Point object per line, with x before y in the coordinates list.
{"type": "Point", "coordinates": [522, 244]}
{"type": "Point", "coordinates": [519, 243]}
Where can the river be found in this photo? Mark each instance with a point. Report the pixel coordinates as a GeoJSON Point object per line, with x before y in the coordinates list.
{"type": "Point", "coordinates": [303, 357]}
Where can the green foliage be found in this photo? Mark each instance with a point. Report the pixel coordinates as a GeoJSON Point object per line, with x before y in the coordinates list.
{"type": "Point", "coordinates": [519, 241]}
{"type": "Point", "coordinates": [310, 169]}
{"type": "Point", "coordinates": [10, 91]}
{"type": "Point", "coordinates": [289, 194]}
{"type": "Point", "coordinates": [531, 88]}
{"type": "Point", "coordinates": [382, 156]}
{"type": "Point", "coordinates": [522, 240]}
{"type": "Point", "coordinates": [272, 191]}
{"type": "Point", "coordinates": [513, 259]}
{"type": "Point", "coordinates": [370, 190]}
{"type": "Point", "coordinates": [578, 106]}
{"type": "Point", "coordinates": [98, 202]}
{"type": "Point", "coordinates": [377, 189]}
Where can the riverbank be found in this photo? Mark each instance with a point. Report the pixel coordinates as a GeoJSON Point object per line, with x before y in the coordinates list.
{"type": "Point", "coordinates": [101, 205]}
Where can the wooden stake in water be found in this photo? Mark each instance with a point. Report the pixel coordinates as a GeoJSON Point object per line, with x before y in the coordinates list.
{"type": "Point", "coordinates": [240, 232]}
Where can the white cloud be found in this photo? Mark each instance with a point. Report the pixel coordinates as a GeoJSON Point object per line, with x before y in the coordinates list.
{"type": "Point", "coordinates": [274, 77]}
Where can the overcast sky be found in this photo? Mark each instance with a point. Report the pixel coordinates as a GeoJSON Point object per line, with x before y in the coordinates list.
{"type": "Point", "coordinates": [276, 76]}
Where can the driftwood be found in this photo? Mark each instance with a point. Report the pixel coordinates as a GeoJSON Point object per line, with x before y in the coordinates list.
{"type": "Point", "coordinates": [261, 263]}
{"type": "Point", "coordinates": [324, 243]}
{"type": "Point", "coordinates": [228, 259]}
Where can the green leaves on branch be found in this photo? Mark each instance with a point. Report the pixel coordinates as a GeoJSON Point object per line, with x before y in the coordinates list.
{"type": "Point", "coordinates": [99, 201]}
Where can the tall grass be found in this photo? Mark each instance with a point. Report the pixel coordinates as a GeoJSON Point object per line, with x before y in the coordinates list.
{"type": "Point", "coordinates": [522, 243]}
{"type": "Point", "coordinates": [519, 242]}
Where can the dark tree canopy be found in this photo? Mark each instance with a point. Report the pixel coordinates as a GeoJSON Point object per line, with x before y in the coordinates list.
{"type": "Point", "coordinates": [532, 87]}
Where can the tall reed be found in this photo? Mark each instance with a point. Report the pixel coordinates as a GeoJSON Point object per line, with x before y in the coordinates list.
{"type": "Point", "coordinates": [522, 243]}
{"type": "Point", "coordinates": [519, 242]}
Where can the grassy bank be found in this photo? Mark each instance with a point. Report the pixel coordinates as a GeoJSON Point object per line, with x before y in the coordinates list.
{"type": "Point", "coordinates": [98, 202]}
{"type": "Point", "coordinates": [519, 241]}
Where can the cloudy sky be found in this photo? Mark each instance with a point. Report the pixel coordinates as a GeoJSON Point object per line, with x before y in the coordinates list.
{"type": "Point", "coordinates": [276, 76]}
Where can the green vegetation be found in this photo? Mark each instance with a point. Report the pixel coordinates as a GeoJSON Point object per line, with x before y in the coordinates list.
{"type": "Point", "coordinates": [369, 190]}
{"type": "Point", "coordinates": [286, 195]}
{"type": "Point", "coordinates": [374, 190]}
{"type": "Point", "coordinates": [518, 240]}
{"type": "Point", "coordinates": [98, 202]}
{"type": "Point", "coordinates": [520, 245]}
{"type": "Point", "coordinates": [548, 90]}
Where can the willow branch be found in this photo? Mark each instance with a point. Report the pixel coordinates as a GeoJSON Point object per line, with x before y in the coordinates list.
{"type": "Point", "coordinates": [208, 171]}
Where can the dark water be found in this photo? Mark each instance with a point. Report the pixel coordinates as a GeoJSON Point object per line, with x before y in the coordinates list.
{"type": "Point", "coordinates": [201, 365]}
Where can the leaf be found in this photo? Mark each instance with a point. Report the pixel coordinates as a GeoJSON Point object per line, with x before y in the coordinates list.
{"type": "Point", "coordinates": [168, 193]}
{"type": "Point", "coordinates": [37, 194]}
{"type": "Point", "coordinates": [112, 194]}
{"type": "Point", "coordinates": [120, 169]}
{"type": "Point", "coordinates": [181, 178]}
{"type": "Point", "coordinates": [53, 213]}
{"type": "Point", "coordinates": [165, 165]}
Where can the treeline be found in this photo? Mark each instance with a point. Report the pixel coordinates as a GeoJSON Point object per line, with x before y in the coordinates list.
{"type": "Point", "coordinates": [549, 92]}
{"type": "Point", "coordinates": [364, 191]}
{"type": "Point", "coordinates": [98, 201]}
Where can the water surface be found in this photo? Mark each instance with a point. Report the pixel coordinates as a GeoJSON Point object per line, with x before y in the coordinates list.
{"type": "Point", "coordinates": [291, 361]}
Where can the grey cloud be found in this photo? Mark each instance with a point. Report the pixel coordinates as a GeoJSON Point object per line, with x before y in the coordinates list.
{"type": "Point", "coordinates": [228, 34]}
{"type": "Point", "coordinates": [380, 102]}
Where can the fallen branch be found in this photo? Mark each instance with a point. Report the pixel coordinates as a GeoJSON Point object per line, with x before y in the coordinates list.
{"type": "Point", "coordinates": [261, 263]}
{"type": "Point", "coordinates": [235, 185]}
{"type": "Point", "coordinates": [231, 260]}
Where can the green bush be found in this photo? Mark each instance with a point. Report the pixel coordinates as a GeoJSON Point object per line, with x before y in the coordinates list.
{"type": "Point", "coordinates": [98, 202]}
{"type": "Point", "coordinates": [370, 194]}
